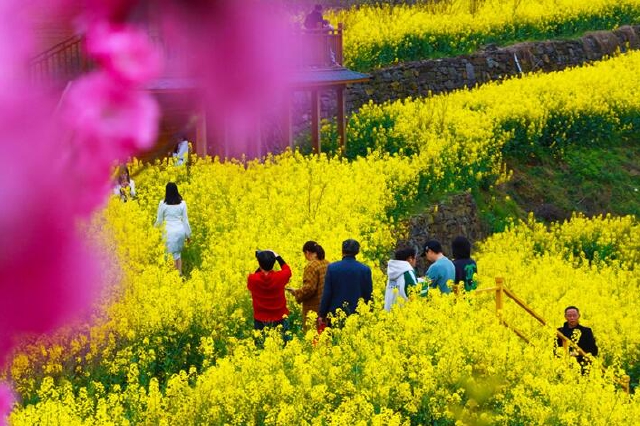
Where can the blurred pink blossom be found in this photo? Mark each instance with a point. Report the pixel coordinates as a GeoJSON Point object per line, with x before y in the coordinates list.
{"type": "Point", "coordinates": [123, 51]}
{"type": "Point", "coordinates": [46, 271]}
{"type": "Point", "coordinates": [15, 43]}
{"type": "Point", "coordinates": [240, 53]}
{"type": "Point", "coordinates": [56, 171]}
{"type": "Point", "coordinates": [6, 402]}
{"type": "Point", "coordinates": [107, 123]}
{"type": "Point", "coordinates": [110, 119]}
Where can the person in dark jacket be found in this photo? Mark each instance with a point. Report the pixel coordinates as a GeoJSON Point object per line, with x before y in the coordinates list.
{"type": "Point", "coordinates": [466, 267]}
{"type": "Point", "coordinates": [315, 20]}
{"type": "Point", "coordinates": [582, 336]}
{"type": "Point", "coordinates": [345, 283]}
{"type": "Point", "coordinates": [267, 291]}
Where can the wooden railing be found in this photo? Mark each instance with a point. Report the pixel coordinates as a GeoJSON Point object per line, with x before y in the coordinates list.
{"type": "Point", "coordinates": [61, 63]}
{"type": "Point", "coordinates": [321, 48]}
{"type": "Point", "coordinates": [316, 49]}
{"type": "Point", "coordinates": [501, 292]}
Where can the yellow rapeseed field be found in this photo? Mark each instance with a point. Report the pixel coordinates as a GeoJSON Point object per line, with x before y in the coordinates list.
{"type": "Point", "coordinates": [167, 351]}
{"type": "Point", "coordinates": [383, 35]}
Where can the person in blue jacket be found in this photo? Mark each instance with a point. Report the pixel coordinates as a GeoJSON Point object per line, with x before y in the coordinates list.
{"type": "Point", "coordinates": [345, 283]}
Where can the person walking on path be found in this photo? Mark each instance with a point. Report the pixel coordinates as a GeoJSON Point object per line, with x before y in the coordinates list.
{"type": "Point", "coordinates": [267, 292]}
{"type": "Point", "coordinates": [312, 280]}
{"type": "Point", "coordinates": [441, 270]}
{"type": "Point", "coordinates": [172, 211]}
{"type": "Point", "coordinates": [401, 276]}
{"type": "Point", "coordinates": [345, 283]}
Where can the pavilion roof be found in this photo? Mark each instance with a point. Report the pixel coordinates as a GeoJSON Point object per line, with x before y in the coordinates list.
{"type": "Point", "coordinates": [336, 76]}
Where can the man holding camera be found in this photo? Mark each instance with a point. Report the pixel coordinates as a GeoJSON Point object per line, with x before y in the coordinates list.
{"type": "Point", "coordinates": [267, 291]}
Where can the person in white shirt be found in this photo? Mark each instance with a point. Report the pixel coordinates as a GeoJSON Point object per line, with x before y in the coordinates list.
{"type": "Point", "coordinates": [125, 188]}
{"type": "Point", "coordinates": [173, 212]}
{"type": "Point", "coordinates": [401, 276]}
{"type": "Point", "coordinates": [181, 153]}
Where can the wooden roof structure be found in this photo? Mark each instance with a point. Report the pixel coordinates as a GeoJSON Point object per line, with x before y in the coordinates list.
{"type": "Point", "coordinates": [319, 68]}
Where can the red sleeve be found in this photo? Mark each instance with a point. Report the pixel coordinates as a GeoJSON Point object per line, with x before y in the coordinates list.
{"type": "Point", "coordinates": [250, 282]}
{"type": "Point", "coordinates": [287, 270]}
{"type": "Point", "coordinates": [284, 275]}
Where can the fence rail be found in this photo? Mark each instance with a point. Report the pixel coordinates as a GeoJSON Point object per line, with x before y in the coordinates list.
{"type": "Point", "coordinates": [500, 291]}
{"type": "Point", "coordinates": [320, 48]}
{"type": "Point", "coordinates": [61, 63]}
{"type": "Point", "coordinates": [317, 49]}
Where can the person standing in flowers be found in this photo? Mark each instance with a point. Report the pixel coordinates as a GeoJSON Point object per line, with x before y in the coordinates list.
{"type": "Point", "coordinates": [173, 212]}
{"type": "Point", "coordinates": [345, 283]}
{"type": "Point", "coordinates": [441, 270]}
{"type": "Point", "coordinates": [578, 334]}
{"type": "Point", "coordinates": [267, 292]}
{"type": "Point", "coordinates": [312, 280]}
{"type": "Point", "coordinates": [125, 187]}
{"type": "Point", "coordinates": [181, 152]}
{"type": "Point", "coordinates": [401, 276]}
{"type": "Point", "coordinates": [466, 267]}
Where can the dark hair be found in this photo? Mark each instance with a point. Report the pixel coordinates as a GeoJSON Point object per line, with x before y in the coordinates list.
{"type": "Point", "coordinates": [433, 245]}
{"type": "Point", "coordinates": [266, 259]}
{"type": "Point", "coordinates": [405, 253]}
{"type": "Point", "coordinates": [171, 194]}
{"type": "Point", "coordinates": [313, 247]}
{"type": "Point", "coordinates": [461, 248]}
{"type": "Point", "coordinates": [123, 170]}
{"type": "Point", "coordinates": [350, 247]}
{"type": "Point", "coordinates": [571, 307]}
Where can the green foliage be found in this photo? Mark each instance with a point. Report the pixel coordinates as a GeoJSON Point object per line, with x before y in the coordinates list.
{"type": "Point", "coordinates": [435, 40]}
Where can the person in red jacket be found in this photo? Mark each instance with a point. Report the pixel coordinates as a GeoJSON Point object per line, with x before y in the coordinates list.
{"type": "Point", "coordinates": [267, 291]}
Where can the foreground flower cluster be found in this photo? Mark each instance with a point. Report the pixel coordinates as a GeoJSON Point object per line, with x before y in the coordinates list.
{"type": "Point", "coordinates": [164, 351]}
{"type": "Point", "coordinates": [380, 36]}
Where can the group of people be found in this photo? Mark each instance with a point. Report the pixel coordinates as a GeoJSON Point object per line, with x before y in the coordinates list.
{"type": "Point", "coordinates": [172, 210]}
{"type": "Point", "coordinates": [329, 287]}
{"type": "Point", "coordinates": [326, 287]}
{"type": "Point", "coordinates": [124, 187]}
{"type": "Point", "coordinates": [402, 276]}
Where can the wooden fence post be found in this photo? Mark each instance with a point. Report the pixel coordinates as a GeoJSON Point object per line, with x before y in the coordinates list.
{"type": "Point", "coordinates": [457, 289]}
{"type": "Point", "coordinates": [625, 381]}
{"type": "Point", "coordinates": [499, 296]}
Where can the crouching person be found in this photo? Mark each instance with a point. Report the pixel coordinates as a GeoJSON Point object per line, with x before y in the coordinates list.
{"type": "Point", "coordinates": [267, 292]}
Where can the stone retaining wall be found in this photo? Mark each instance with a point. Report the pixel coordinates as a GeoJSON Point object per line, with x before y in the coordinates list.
{"type": "Point", "coordinates": [443, 75]}
{"type": "Point", "coordinates": [443, 222]}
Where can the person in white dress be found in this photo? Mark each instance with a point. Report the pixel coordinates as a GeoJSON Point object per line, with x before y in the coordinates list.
{"type": "Point", "coordinates": [173, 212]}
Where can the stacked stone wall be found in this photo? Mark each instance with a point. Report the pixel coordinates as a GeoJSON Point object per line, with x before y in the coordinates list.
{"type": "Point", "coordinates": [415, 79]}
{"type": "Point", "coordinates": [455, 216]}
